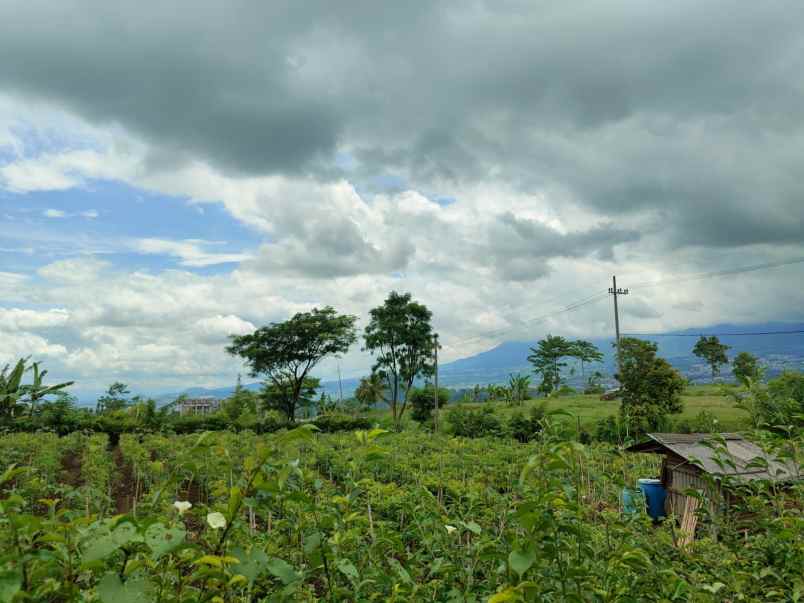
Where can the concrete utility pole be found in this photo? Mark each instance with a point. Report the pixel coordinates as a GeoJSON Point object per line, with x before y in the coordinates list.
{"type": "Point", "coordinates": [613, 290]}
{"type": "Point", "coordinates": [435, 379]}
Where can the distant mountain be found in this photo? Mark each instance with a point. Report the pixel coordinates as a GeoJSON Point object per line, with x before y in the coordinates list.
{"type": "Point", "coordinates": [777, 353]}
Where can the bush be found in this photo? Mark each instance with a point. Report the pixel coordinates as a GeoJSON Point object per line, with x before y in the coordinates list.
{"type": "Point", "coordinates": [333, 422]}
{"type": "Point", "coordinates": [524, 429]}
{"type": "Point", "coordinates": [423, 402]}
{"type": "Point", "coordinates": [474, 423]}
{"type": "Point", "coordinates": [564, 390]}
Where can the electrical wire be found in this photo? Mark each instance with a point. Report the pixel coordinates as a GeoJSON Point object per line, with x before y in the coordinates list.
{"type": "Point", "coordinates": [793, 332]}
{"type": "Point", "coordinates": [644, 285]}
{"type": "Point", "coordinates": [716, 274]}
{"type": "Point", "coordinates": [537, 320]}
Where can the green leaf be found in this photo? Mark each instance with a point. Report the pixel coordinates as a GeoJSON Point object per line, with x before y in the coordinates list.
{"type": "Point", "coordinates": [714, 587]}
{"type": "Point", "coordinates": [134, 590]}
{"type": "Point", "coordinates": [162, 540]}
{"type": "Point", "coordinates": [521, 560]}
{"type": "Point", "coordinates": [252, 564]}
{"type": "Point", "coordinates": [348, 569]}
{"type": "Point", "coordinates": [471, 526]}
{"type": "Point", "coordinates": [283, 570]}
{"type": "Point", "coordinates": [400, 571]}
{"type": "Point", "coordinates": [109, 542]}
{"type": "Point", "coordinates": [509, 594]}
{"type": "Point", "coordinates": [10, 584]}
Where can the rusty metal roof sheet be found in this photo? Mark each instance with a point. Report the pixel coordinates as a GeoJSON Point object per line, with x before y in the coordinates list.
{"type": "Point", "coordinates": [734, 456]}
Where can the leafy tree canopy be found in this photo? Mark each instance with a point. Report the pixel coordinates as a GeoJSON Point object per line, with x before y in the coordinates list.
{"type": "Point", "coordinates": [585, 352]}
{"type": "Point", "coordinates": [114, 398]}
{"type": "Point", "coordinates": [287, 351]}
{"type": "Point", "coordinates": [400, 337]}
{"type": "Point", "coordinates": [712, 351]}
{"type": "Point", "coordinates": [546, 359]}
{"type": "Point", "coordinates": [746, 367]}
{"type": "Point", "coordinates": [651, 387]}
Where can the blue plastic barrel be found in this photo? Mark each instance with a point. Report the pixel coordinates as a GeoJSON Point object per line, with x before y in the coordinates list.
{"type": "Point", "coordinates": [655, 495]}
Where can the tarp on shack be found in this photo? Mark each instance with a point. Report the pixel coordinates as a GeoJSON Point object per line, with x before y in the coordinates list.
{"type": "Point", "coordinates": [741, 459]}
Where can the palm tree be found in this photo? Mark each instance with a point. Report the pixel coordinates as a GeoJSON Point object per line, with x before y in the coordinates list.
{"type": "Point", "coordinates": [370, 390]}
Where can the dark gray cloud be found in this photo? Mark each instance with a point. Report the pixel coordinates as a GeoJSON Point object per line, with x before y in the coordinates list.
{"type": "Point", "coordinates": [687, 113]}
{"type": "Point", "coordinates": [520, 249]}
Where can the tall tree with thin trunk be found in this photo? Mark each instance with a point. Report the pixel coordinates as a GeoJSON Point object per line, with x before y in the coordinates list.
{"type": "Point", "coordinates": [546, 359]}
{"type": "Point", "coordinates": [287, 351]}
{"type": "Point", "coordinates": [585, 352]}
{"type": "Point", "coordinates": [400, 337]}
{"type": "Point", "coordinates": [713, 352]}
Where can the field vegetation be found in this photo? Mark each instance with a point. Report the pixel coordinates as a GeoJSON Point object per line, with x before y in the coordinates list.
{"type": "Point", "coordinates": [502, 497]}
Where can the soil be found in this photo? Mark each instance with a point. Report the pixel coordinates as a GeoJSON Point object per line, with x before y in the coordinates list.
{"type": "Point", "coordinates": [123, 484]}
{"type": "Point", "coordinates": [71, 469]}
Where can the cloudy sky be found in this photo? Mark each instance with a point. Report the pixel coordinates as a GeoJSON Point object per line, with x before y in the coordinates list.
{"type": "Point", "coordinates": [171, 173]}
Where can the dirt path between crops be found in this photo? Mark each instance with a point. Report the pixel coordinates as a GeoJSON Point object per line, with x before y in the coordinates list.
{"type": "Point", "coordinates": [71, 469]}
{"type": "Point", "coordinates": [123, 483]}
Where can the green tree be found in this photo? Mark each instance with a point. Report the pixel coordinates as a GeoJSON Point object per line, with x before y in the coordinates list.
{"type": "Point", "coordinates": [287, 351]}
{"type": "Point", "coordinates": [113, 399]}
{"type": "Point", "coordinates": [422, 399]}
{"type": "Point", "coordinates": [713, 352]}
{"type": "Point", "coordinates": [546, 361]}
{"type": "Point", "coordinates": [400, 337]}
{"type": "Point", "coordinates": [519, 387]}
{"type": "Point", "coordinates": [59, 414]}
{"type": "Point", "coordinates": [370, 391]}
{"type": "Point", "coordinates": [585, 352]}
{"type": "Point", "coordinates": [651, 388]}
{"type": "Point", "coordinates": [286, 397]}
{"type": "Point", "coordinates": [14, 393]}
{"type": "Point", "coordinates": [241, 401]}
{"type": "Point", "coordinates": [746, 367]}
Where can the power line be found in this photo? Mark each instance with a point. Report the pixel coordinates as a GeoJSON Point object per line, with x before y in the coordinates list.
{"type": "Point", "coordinates": [793, 332]}
{"type": "Point", "coordinates": [718, 273]}
{"type": "Point", "coordinates": [644, 284]}
{"type": "Point", "coordinates": [537, 320]}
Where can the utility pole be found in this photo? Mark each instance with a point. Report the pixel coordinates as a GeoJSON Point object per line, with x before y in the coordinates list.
{"type": "Point", "coordinates": [613, 290]}
{"type": "Point", "coordinates": [435, 379]}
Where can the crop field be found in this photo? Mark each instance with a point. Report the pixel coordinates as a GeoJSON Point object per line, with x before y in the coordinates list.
{"type": "Point", "coordinates": [365, 516]}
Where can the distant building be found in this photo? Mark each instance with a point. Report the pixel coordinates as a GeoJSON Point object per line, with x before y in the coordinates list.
{"type": "Point", "coordinates": [198, 406]}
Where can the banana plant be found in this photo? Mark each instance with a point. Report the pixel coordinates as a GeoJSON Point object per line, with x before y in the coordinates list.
{"type": "Point", "coordinates": [13, 392]}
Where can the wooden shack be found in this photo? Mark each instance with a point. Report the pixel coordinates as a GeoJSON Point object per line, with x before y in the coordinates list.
{"type": "Point", "coordinates": [701, 461]}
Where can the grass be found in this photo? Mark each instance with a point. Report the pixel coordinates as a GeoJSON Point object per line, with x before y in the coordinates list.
{"type": "Point", "coordinates": [590, 408]}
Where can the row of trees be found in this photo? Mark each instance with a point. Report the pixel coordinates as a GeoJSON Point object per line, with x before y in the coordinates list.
{"type": "Point", "coordinates": [399, 336]}
{"type": "Point", "coordinates": [548, 359]}
{"type": "Point", "coordinates": [745, 366]}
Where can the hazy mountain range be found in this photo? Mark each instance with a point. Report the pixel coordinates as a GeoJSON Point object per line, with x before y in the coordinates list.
{"type": "Point", "coordinates": [777, 353]}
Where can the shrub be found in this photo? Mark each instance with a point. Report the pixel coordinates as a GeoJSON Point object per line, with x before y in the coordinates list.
{"type": "Point", "coordinates": [333, 422]}
{"type": "Point", "coordinates": [423, 402]}
{"type": "Point", "coordinates": [524, 429]}
{"type": "Point", "coordinates": [564, 390]}
{"type": "Point", "coordinates": [474, 423]}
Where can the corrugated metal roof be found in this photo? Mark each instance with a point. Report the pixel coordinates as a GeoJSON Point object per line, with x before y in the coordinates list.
{"type": "Point", "coordinates": [741, 459]}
